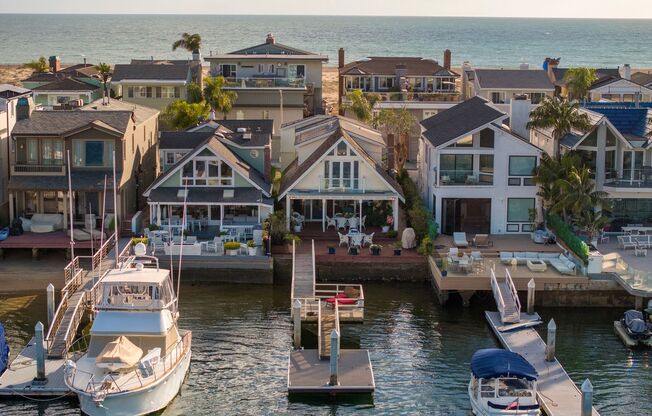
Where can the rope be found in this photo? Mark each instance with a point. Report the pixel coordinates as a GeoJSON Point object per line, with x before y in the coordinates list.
{"type": "Point", "coordinates": [17, 393]}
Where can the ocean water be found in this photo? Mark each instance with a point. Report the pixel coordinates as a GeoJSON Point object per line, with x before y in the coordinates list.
{"type": "Point", "coordinates": [420, 354]}
{"type": "Point", "coordinates": [490, 42]}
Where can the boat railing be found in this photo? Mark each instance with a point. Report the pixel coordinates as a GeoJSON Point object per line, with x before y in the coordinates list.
{"type": "Point", "coordinates": [497, 294]}
{"type": "Point", "coordinates": [100, 388]}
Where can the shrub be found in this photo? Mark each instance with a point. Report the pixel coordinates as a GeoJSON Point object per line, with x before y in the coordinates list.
{"type": "Point", "coordinates": [232, 245]}
{"type": "Point", "coordinates": [289, 238]}
{"type": "Point", "coordinates": [136, 240]}
{"type": "Point", "coordinates": [418, 216]}
{"type": "Point", "coordinates": [277, 227]}
{"type": "Point", "coordinates": [426, 246]}
{"type": "Point", "coordinates": [251, 244]}
{"type": "Point", "coordinates": [565, 234]}
{"type": "Point", "coordinates": [391, 234]}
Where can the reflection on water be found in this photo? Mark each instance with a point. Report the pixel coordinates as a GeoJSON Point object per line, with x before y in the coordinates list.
{"type": "Point", "coordinates": [420, 354]}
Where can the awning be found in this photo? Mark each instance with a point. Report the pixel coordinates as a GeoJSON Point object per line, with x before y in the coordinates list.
{"type": "Point", "coordinates": [210, 195]}
{"type": "Point", "coordinates": [493, 362]}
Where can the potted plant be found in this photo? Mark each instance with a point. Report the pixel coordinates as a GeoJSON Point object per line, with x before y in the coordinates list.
{"type": "Point", "coordinates": [444, 267]}
{"type": "Point", "coordinates": [289, 238]}
{"type": "Point", "coordinates": [375, 249]}
{"type": "Point", "coordinates": [331, 249]}
{"type": "Point", "coordinates": [389, 221]}
{"type": "Point", "coordinates": [251, 247]}
{"type": "Point", "coordinates": [296, 225]}
{"type": "Point", "coordinates": [232, 248]}
{"type": "Point", "coordinates": [397, 248]}
{"type": "Point", "coordinates": [391, 234]}
{"type": "Point", "coordinates": [354, 251]}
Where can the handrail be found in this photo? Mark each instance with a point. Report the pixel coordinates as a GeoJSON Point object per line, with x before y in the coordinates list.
{"type": "Point", "coordinates": [314, 272]}
{"type": "Point", "coordinates": [497, 295]}
{"type": "Point", "coordinates": [319, 329]}
{"type": "Point", "coordinates": [294, 266]}
{"type": "Point", "coordinates": [513, 292]}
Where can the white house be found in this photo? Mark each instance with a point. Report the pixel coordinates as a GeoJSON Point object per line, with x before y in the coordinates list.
{"type": "Point", "coordinates": [476, 175]}
{"type": "Point", "coordinates": [337, 168]}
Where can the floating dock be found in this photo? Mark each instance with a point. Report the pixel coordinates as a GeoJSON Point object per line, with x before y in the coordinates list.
{"type": "Point", "coordinates": [307, 373]}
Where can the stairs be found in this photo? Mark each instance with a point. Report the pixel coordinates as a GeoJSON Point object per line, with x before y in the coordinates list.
{"type": "Point", "coordinates": [327, 324]}
{"type": "Point", "coordinates": [506, 298]}
{"type": "Point", "coordinates": [511, 313]}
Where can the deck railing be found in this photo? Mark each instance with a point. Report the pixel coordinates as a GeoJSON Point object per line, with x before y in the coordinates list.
{"type": "Point", "coordinates": [41, 170]}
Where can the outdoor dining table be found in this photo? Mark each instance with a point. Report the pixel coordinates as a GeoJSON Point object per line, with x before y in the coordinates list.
{"type": "Point", "coordinates": [460, 262]}
{"type": "Point", "coordinates": [640, 229]}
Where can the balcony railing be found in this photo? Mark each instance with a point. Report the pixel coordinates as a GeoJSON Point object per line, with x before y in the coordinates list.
{"type": "Point", "coordinates": [435, 96]}
{"type": "Point", "coordinates": [341, 185]}
{"type": "Point", "coordinates": [42, 170]}
{"type": "Point", "coordinates": [261, 82]}
{"type": "Point", "coordinates": [630, 178]}
{"type": "Point", "coordinates": [465, 178]}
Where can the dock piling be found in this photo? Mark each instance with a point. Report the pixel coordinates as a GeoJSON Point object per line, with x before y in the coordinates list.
{"type": "Point", "coordinates": [296, 314]}
{"type": "Point", "coordinates": [40, 352]}
{"type": "Point", "coordinates": [551, 340]}
{"type": "Point", "coordinates": [335, 352]}
{"type": "Point", "coordinates": [50, 298]}
{"type": "Point", "coordinates": [530, 296]}
{"type": "Point", "coordinates": [587, 398]}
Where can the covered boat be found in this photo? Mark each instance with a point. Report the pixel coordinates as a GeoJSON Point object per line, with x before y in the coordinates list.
{"type": "Point", "coordinates": [4, 350]}
{"type": "Point", "coordinates": [633, 329]}
{"type": "Point", "coordinates": [502, 383]}
{"type": "Point", "coordinates": [4, 233]}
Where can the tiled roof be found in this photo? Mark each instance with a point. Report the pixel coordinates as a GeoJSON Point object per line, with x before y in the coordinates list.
{"type": "Point", "coordinates": [198, 195]}
{"type": "Point", "coordinates": [381, 65]}
{"type": "Point", "coordinates": [628, 120]}
{"type": "Point", "coordinates": [460, 120]}
{"type": "Point", "coordinates": [67, 84]}
{"type": "Point", "coordinates": [152, 71]}
{"type": "Point", "coordinates": [513, 78]}
{"type": "Point", "coordinates": [61, 122]}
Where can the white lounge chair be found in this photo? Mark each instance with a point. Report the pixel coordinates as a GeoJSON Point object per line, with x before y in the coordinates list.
{"type": "Point", "coordinates": [215, 246]}
{"type": "Point", "coordinates": [368, 239]}
{"type": "Point", "coordinates": [459, 239]}
{"type": "Point", "coordinates": [344, 239]}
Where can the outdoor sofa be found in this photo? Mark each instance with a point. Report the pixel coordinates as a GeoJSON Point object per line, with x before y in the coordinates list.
{"type": "Point", "coordinates": [45, 223]}
{"type": "Point", "coordinates": [559, 262]}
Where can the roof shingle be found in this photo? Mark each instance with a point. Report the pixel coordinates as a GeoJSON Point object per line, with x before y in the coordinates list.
{"type": "Point", "coordinates": [514, 79]}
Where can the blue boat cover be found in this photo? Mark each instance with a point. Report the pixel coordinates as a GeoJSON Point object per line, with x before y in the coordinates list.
{"type": "Point", "coordinates": [4, 350]}
{"type": "Point", "coordinates": [494, 362]}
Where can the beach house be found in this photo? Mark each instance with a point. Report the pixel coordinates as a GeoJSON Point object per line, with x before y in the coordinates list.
{"type": "Point", "coordinates": [221, 172]}
{"type": "Point", "coordinates": [617, 150]}
{"type": "Point", "coordinates": [41, 141]}
{"type": "Point", "coordinates": [273, 81]}
{"type": "Point", "coordinates": [643, 78]}
{"type": "Point", "coordinates": [557, 74]}
{"type": "Point", "coordinates": [155, 83]}
{"type": "Point", "coordinates": [621, 89]}
{"type": "Point", "coordinates": [476, 174]}
{"type": "Point", "coordinates": [337, 169]}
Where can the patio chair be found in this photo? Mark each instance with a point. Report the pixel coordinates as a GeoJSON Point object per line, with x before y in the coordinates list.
{"type": "Point", "coordinates": [362, 225]}
{"type": "Point", "coordinates": [603, 237]}
{"type": "Point", "coordinates": [156, 243]}
{"type": "Point", "coordinates": [330, 222]}
{"type": "Point", "coordinates": [243, 248]}
{"type": "Point", "coordinates": [353, 222]}
{"type": "Point", "coordinates": [368, 239]}
{"type": "Point", "coordinates": [481, 240]}
{"type": "Point", "coordinates": [459, 239]}
{"type": "Point", "coordinates": [344, 239]}
{"type": "Point", "coordinates": [356, 240]}
{"type": "Point", "coordinates": [341, 223]}
{"type": "Point", "coordinates": [215, 246]}
{"type": "Point", "coordinates": [625, 242]}
{"type": "Point", "coordinates": [452, 252]}
{"type": "Point", "coordinates": [476, 255]}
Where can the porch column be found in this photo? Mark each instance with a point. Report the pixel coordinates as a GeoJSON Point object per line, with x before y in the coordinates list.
{"type": "Point", "coordinates": [395, 213]}
{"type": "Point", "coordinates": [323, 215]}
{"type": "Point", "coordinates": [259, 213]}
{"type": "Point", "coordinates": [158, 214]}
{"type": "Point", "coordinates": [287, 211]}
{"type": "Point", "coordinates": [151, 212]}
{"type": "Point", "coordinates": [11, 206]}
{"type": "Point", "coordinates": [221, 216]}
{"type": "Point", "coordinates": [65, 210]}
{"type": "Point", "coordinates": [360, 223]}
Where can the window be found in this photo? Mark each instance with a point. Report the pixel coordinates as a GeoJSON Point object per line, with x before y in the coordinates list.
{"type": "Point", "coordinates": [611, 138]}
{"type": "Point", "coordinates": [168, 92]}
{"type": "Point", "coordinates": [487, 138]}
{"type": "Point", "coordinates": [514, 181]}
{"type": "Point", "coordinates": [296, 71]}
{"type": "Point", "coordinates": [591, 140]}
{"type": "Point", "coordinates": [228, 70]}
{"type": "Point", "coordinates": [32, 151]}
{"type": "Point", "coordinates": [169, 158]}
{"type": "Point", "coordinates": [518, 209]}
{"type": "Point", "coordinates": [464, 142]}
{"type": "Point", "coordinates": [385, 83]}
{"type": "Point", "coordinates": [94, 152]}
{"type": "Point", "coordinates": [341, 174]}
{"type": "Point", "coordinates": [522, 165]}
{"type": "Point", "coordinates": [341, 149]}
{"type": "Point", "coordinates": [497, 98]}
{"type": "Point", "coordinates": [207, 172]}
{"type": "Point", "coordinates": [52, 151]}
{"type": "Point", "coordinates": [416, 83]}
{"type": "Point", "coordinates": [487, 169]}
{"type": "Point", "coordinates": [536, 97]}
{"type": "Point", "coordinates": [512, 228]}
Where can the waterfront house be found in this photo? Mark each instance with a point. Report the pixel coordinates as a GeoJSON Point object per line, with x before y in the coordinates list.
{"type": "Point", "coordinates": [337, 168]}
{"type": "Point", "coordinates": [476, 174]}
{"type": "Point", "coordinates": [421, 85]}
{"type": "Point", "coordinates": [619, 89]}
{"type": "Point", "coordinates": [273, 81]}
{"type": "Point", "coordinates": [41, 140]}
{"type": "Point", "coordinates": [155, 83]}
{"type": "Point", "coordinates": [222, 172]}
{"type": "Point", "coordinates": [14, 103]}
{"type": "Point", "coordinates": [617, 150]}
{"type": "Point", "coordinates": [557, 74]}
{"type": "Point", "coordinates": [643, 78]}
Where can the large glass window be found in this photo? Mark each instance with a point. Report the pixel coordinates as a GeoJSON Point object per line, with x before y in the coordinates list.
{"type": "Point", "coordinates": [487, 169]}
{"type": "Point", "coordinates": [207, 172]}
{"type": "Point", "coordinates": [385, 83]}
{"type": "Point", "coordinates": [228, 70]}
{"type": "Point", "coordinates": [487, 138]}
{"type": "Point", "coordinates": [94, 152]}
{"type": "Point", "coordinates": [518, 209]}
{"type": "Point", "coordinates": [456, 169]}
{"type": "Point", "coordinates": [591, 140]}
{"type": "Point", "coordinates": [522, 165]}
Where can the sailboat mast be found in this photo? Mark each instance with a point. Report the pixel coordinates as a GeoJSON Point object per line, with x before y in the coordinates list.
{"type": "Point", "coordinates": [72, 240]}
{"type": "Point", "coordinates": [115, 210]}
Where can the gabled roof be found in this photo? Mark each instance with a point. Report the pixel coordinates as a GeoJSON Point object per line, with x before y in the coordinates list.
{"type": "Point", "coordinates": [559, 74]}
{"type": "Point", "coordinates": [11, 91]}
{"type": "Point", "coordinates": [603, 82]}
{"type": "Point", "coordinates": [62, 122]}
{"type": "Point", "coordinates": [140, 112]}
{"type": "Point", "coordinates": [157, 71]}
{"type": "Point", "coordinates": [75, 71]}
{"type": "Point", "coordinates": [67, 84]}
{"type": "Point", "coordinates": [182, 139]}
{"type": "Point", "coordinates": [643, 78]}
{"type": "Point", "coordinates": [319, 126]}
{"type": "Point", "coordinates": [294, 175]}
{"type": "Point", "coordinates": [628, 120]}
{"type": "Point", "coordinates": [387, 65]}
{"type": "Point", "coordinates": [270, 48]}
{"type": "Point", "coordinates": [227, 130]}
{"type": "Point", "coordinates": [460, 120]}
{"type": "Point", "coordinates": [223, 152]}
{"type": "Point", "coordinates": [513, 79]}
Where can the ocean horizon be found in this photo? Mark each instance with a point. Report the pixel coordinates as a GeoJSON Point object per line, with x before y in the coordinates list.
{"type": "Point", "coordinates": [483, 41]}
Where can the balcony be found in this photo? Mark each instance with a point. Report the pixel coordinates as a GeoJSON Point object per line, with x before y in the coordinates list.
{"type": "Point", "coordinates": [265, 82]}
{"type": "Point", "coordinates": [407, 96]}
{"type": "Point", "coordinates": [38, 170]}
{"type": "Point", "coordinates": [630, 178]}
{"type": "Point", "coordinates": [341, 185]}
{"type": "Point", "coordinates": [465, 178]}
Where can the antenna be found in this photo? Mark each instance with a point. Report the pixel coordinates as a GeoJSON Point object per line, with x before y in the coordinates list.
{"type": "Point", "coordinates": [115, 211]}
{"type": "Point", "coordinates": [72, 241]}
{"type": "Point", "coordinates": [183, 228]}
{"type": "Point", "coordinates": [102, 228]}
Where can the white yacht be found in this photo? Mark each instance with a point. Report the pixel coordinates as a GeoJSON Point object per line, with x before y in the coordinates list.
{"type": "Point", "coordinates": [503, 383]}
{"type": "Point", "coordinates": [137, 358]}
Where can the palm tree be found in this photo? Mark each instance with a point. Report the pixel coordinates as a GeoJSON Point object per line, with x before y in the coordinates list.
{"type": "Point", "coordinates": [40, 65]}
{"type": "Point", "coordinates": [561, 116]}
{"type": "Point", "coordinates": [104, 70]}
{"type": "Point", "coordinates": [361, 106]}
{"type": "Point", "coordinates": [578, 82]}
{"type": "Point", "coordinates": [180, 115]}
{"type": "Point", "coordinates": [191, 43]}
{"type": "Point", "coordinates": [548, 176]}
{"type": "Point", "coordinates": [591, 222]}
{"type": "Point", "coordinates": [400, 123]}
{"type": "Point", "coordinates": [218, 98]}
{"type": "Point", "coordinates": [579, 193]}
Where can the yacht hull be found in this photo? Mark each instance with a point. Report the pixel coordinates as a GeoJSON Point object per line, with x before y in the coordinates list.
{"type": "Point", "coordinates": [140, 402]}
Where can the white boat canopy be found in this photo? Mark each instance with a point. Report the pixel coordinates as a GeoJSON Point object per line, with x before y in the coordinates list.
{"type": "Point", "coordinates": [132, 323]}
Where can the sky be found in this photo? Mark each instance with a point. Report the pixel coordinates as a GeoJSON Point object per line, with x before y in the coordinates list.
{"type": "Point", "coordinates": [489, 8]}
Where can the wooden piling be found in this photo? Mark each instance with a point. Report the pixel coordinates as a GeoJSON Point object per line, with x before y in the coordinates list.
{"type": "Point", "coordinates": [296, 315]}
{"type": "Point", "coordinates": [335, 352]}
{"type": "Point", "coordinates": [587, 398]}
{"type": "Point", "coordinates": [530, 296]}
{"type": "Point", "coordinates": [551, 341]}
{"type": "Point", "coordinates": [40, 352]}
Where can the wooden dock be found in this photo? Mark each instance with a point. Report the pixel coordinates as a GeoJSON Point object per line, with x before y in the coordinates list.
{"type": "Point", "coordinates": [18, 380]}
{"type": "Point", "coordinates": [308, 374]}
{"type": "Point", "coordinates": [557, 393]}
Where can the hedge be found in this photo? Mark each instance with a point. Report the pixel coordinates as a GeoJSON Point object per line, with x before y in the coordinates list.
{"type": "Point", "coordinates": [565, 234]}
{"type": "Point", "coordinates": [418, 216]}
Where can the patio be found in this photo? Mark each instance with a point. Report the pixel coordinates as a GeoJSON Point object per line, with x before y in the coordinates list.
{"type": "Point", "coordinates": [633, 270]}
{"type": "Point", "coordinates": [51, 240]}
{"type": "Point", "coordinates": [520, 242]}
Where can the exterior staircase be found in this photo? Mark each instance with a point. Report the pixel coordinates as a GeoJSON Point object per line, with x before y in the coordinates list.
{"type": "Point", "coordinates": [506, 298]}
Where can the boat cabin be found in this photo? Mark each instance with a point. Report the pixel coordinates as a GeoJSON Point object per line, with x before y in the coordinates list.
{"type": "Point", "coordinates": [137, 288]}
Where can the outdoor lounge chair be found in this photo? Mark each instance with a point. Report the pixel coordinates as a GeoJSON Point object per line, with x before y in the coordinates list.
{"type": "Point", "coordinates": [344, 239]}
{"type": "Point", "coordinates": [625, 242]}
{"type": "Point", "coordinates": [452, 252]}
{"type": "Point", "coordinates": [459, 239]}
{"type": "Point", "coordinates": [481, 240]}
{"type": "Point", "coordinates": [215, 246]}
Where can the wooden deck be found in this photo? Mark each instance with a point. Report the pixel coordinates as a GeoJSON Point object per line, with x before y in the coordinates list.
{"type": "Point", "coordinates": [303, 283]}
{"type": "Point", "coordinates": [558, 394]}
{"type": "Point", "coordinates": [18, 380]}
{"type": "Point", "coordinates": [54, 240]}
{"type": "Point", "coordinates": [308, 374]}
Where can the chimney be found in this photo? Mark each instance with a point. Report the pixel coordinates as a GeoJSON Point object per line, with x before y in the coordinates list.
{"type": "Point", "coordinates": [549, 65]}
{"type": "Point", "coordinates": [340, 81]}
{"type": "Point", "coordinates": [447, 59]}
{"type": "Point", "coordinates": [519, 115]}
{"type": "Point", "coordinates": [84, 61]}
{"type": "Point", "coordinates": [390, 152]}
{"type": "Point", "coordinates": [55, 64]}
{"type": "Point", "coordinates": [627, 71]}
{"type": "Point", "coordinates": [270, 39]}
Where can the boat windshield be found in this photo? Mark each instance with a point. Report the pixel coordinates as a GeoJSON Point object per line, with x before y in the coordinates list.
{"type": "Point", "coordinates": [515, 387]}
{"type": "Point", "coordinates": [137, 295]}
